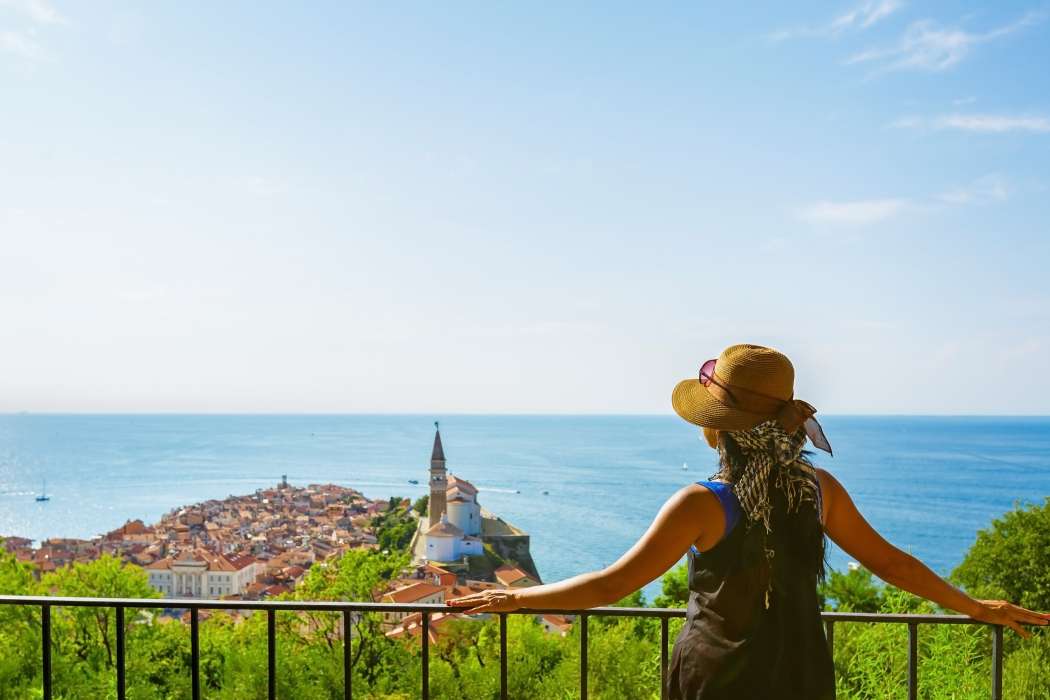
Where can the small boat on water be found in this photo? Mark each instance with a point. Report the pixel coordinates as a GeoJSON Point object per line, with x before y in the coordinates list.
{"type": "Point", "coordinates": [413, 481]}
{"type": "Point", "coordinates": [43, 493]}
{"type": "Point", "coordinates": [685, 466]}
{"type": "Point", "coordinates": [546, 492]}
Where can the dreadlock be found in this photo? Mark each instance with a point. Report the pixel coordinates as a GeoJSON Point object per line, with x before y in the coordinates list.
{"type": "Point", "coordinates": [778, 491]}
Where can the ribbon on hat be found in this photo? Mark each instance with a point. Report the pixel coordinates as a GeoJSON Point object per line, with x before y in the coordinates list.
{"type": "Point", "coordinates": [790, 413]}
{"type": "Point", "coordinates": [795, 413]}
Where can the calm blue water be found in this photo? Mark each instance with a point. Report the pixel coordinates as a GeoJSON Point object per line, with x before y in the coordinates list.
{"type": "Point", "coordinates": [928, 484]}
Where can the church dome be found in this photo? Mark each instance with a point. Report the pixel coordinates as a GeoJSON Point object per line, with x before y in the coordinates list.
{"type": "Point", "coordinates": [443, 528]}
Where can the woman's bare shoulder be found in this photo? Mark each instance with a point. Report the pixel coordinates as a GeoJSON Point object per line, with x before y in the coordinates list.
{"type": "Point", "coordinates": [829, 485]}
{"type": "Point", "coordinates": [705, 507]}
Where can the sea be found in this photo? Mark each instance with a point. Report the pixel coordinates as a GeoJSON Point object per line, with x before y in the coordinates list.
{"type": "Point", "coordinates": [583, 487]}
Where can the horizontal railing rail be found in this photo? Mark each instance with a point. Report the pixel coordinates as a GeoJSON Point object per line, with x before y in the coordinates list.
{"type": "Point", "coordinates": [195, 605]}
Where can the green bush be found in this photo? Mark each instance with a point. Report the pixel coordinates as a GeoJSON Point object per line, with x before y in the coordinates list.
{"type": "Point", "coordinates": [1011, 559]}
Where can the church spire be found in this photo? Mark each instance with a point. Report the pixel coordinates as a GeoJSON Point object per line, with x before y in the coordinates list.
{"type": "Point", "coordinates": [438, 454]}
{"type": "Point", "coordinates": [438, 482]}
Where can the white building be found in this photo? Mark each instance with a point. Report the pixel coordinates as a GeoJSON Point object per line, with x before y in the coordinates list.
{"type": "Point", "coordinates": [461, 504]}
{"type": "Point", "coordinates": [198, 573]}
{"type": "Point", "coordinates": [454, 512]}
{"type": "Point", "coordinates": [446, 542]}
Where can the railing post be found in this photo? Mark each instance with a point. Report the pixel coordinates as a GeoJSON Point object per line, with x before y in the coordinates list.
{"type": "Point", "coordinates": [503, 656]}
{"type": "Point", "coordinates": [45, 648]}
{"type": "Point", "coordinates": [348, 674]}
{"type": "Point", "coordinates": [663, 657]}
{"type": "Point", "coordinates": [997, 662]}
{"type": "Point", "coordinates": [583, 656]}
{"type": "Point", "coordinates": [271, 653]}
{"type": "Point", "coordinates": [913, 661]}
{"type": "Point", "coordinates": [829, 632]}
{"type": "Point", "coordinates": [426, 655]}
{"type": "Point", "coordinates": [195, 655]}
{"type": "Point", "coordinates": [121, 691]}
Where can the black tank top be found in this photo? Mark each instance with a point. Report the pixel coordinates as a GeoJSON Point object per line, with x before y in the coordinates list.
{"type": "Point", "coordinates": [732, 647]}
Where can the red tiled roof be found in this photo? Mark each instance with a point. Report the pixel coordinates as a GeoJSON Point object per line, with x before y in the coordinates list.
{"type": "Point", "coordinates": [213, 561]}
{"type": "Point", "coordinates": [412, 593]}
{"type": "Point", "coordinates": [412, 624]}
{"type": "Point", "coordinates": [473, 587]}
{"type": "Point", "coordinates": [559, 622]}
{"type": "Point", "coordinates": [455, 482]}
{"type": "Point", "coordinates": [443, 528]}
{"type": "Point", "coordinates": [240, 562]}
{"type": "Point", "coordinates": [434, 569]}
{"type": "Point", "coordinates": [509, 575]}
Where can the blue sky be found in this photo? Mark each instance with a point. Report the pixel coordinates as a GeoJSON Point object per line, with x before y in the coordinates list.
{"type": "Point", "coordinates": [479, 208]}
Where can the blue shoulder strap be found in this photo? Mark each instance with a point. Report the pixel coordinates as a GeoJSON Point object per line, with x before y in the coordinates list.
{"type": "Point", "coordinates": [730, 505]}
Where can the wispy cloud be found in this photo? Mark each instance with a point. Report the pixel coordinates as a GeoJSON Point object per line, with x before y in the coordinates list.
{"type": "Point", "coordinates": [23, 45]}
{"type": "Point", "coordinates": [867, 14]}
{"type": "Point", "coordinates": [855, 212]}
{"type": "Point", "coordinates": [862, 212]}
{"type": "Point", "coordinates": [995, 123]}
{"type": "Point", "coordinates": [984, 190]}
{"type": "Point", "coordinates": [860, 17]}
{"type": "Point", "coordinates": [909, 122]}
{"type": "Point", "coordinates": [926, 46]}
{"type": "Point", "coordinates": [39, 11]}
{"type": "Point", "coordinates": [981, 123]}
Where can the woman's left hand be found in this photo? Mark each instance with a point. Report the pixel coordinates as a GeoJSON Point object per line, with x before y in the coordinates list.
{"type": "Point", "coordinates": [491, 601]}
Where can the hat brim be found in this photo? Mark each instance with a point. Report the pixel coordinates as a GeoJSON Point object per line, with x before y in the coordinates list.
{"type": "Point", "coordinates": [693, 402]}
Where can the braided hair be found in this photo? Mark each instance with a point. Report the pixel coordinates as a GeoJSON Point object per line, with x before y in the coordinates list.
{"type": "Point", "coordinates": [778, 491]}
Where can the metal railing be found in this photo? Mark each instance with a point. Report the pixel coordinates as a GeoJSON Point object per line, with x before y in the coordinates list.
{"type": "Point", "coordinates": [194, 606]}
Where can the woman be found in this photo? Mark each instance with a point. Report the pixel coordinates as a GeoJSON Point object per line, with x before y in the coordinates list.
{"type": "Point", "coordinates": [755, 538]}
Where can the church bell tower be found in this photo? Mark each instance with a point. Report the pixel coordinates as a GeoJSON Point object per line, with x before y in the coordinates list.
{"type": "Point", "coordinates": [436, 504]}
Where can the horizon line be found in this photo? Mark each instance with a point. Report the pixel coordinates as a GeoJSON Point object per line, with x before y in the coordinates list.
{"type": "Point", "coordinates": [469, 414]}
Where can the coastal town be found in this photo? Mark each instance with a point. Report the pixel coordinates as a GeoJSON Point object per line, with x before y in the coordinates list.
{"type": "Point", "coordinates": [261, 545]}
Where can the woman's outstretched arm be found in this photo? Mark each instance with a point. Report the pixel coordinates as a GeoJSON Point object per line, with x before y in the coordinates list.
{"type": "Point", "coordinates": [692, 514]}
{"type": "Point", "coordinates": [849, 530]}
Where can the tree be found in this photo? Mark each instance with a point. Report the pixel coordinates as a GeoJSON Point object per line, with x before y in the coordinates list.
{"type": "Point", "coordinates": [1011, 559]}
{"type": "Point", "coordinates": [854, 591]}
{"type": "Point", "coordinates": [19, 626]}
{"type": "Point", "coordinates": [359, 575]}
{"type": "Point", "coordinates": [420, 506]}
{"type": "Point", "coordinates": [674, 588]}
{"type": "Point", "coordinates": [395, 526]}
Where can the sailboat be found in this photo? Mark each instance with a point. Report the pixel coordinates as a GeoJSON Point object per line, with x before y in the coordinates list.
{"type": "Point", "coordinates": [685, 466]}
{"type": "Point", "coordinates": [43, 493]}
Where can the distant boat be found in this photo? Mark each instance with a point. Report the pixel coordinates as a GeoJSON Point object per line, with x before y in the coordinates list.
{"type": "Point", "coordinates": [546, 492]}
{"type": "Point", "coordinates": [43, 493]}
{"type": "Point", "coordinates": [685, 465]}
{"type": "Point", "coordinates": [517, 490]}
{"type": "Point", "coordinates": [413, 481]}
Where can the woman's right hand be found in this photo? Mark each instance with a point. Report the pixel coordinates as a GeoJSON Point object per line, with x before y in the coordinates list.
{"type": "Point", "coordinates": [1001, 612]}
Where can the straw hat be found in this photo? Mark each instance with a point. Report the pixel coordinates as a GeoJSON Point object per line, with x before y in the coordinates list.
{"type": "Point", "coordinates": [745, 386]}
